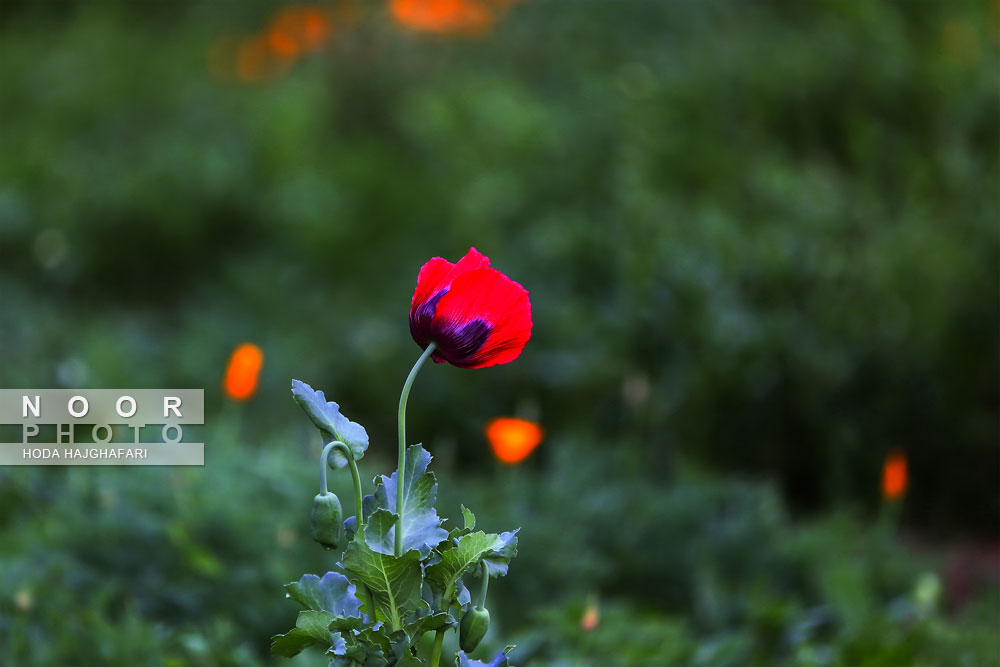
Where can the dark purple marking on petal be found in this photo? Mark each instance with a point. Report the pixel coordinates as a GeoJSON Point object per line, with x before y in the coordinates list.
{"type": "Point", "coordinates": [420, 320]}
{"type": "Point", "coordinates": [459, 344]}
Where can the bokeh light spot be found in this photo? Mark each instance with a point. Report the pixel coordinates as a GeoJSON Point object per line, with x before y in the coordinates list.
{"type": "Point", "coordinates": [242, 372]}
{"type": "Point", "coordinates": [894, 476]}
{"type": "Point", "coordinates": [513, 439]}
{"type": "Point", "coordinates": [443, 16]}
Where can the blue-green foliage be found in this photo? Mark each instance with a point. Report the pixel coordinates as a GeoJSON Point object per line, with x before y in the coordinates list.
{"type": "Point", "coordinates": [405, 592]}
{"type": "Point", "coordinates": [148, 562]}
{"type": "Point", "coordinates": [332, 425]}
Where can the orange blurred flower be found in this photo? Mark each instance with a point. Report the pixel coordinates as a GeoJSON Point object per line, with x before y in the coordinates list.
{"type": "Point", "coordinates": [282, 44]}
{"type": "Point", "coordinates": [292, 32]}
{"type": "Point", "coordinates": [894, 476]}
{"type": "Point", "coordinates": [591, 615]}
{"type": "Point", "coordinates": [468, 16]}
{"type": "Point", "coordinates": [240, 382]}
{"type": "Point", "coordinates": [298, 29]}
{"type": "Point", "coordinates": [513, 439]}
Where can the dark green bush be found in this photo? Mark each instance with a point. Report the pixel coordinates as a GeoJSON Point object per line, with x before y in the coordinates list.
{"type": "Point", "coordinates": [776, 221]}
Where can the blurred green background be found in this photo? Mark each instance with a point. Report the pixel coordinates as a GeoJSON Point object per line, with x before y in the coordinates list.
{"type": "Point", "coordinates": [762, 245]}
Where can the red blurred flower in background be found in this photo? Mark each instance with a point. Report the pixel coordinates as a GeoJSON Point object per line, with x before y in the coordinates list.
{"type": "Point", "coordinates": [513, 439]}
{"type": "Point", "coordinates": [475, 315]}
{"type": "Point", "coordinates": [894, 476]}
{"type": "Point", "coordinates": [244, 366]}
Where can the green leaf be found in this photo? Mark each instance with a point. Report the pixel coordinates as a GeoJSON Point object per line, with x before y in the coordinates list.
{"type": "Point", "coordinates": [469, 520]}
{"type": "Point", "coordinates": [291, 644]}
{"type": "Point", "coordinates": [499, 558]}
{"type": "Point", "coordinates": [315, 624]}
{"type": "Point", "coordinates": [424, 620]}
{"type": "Point", "coordinates": [421, 523]}
{"type": "Point", "coordinates": [379, 638]}
{"type": "Point", "coordinates": [330, 422]}
{"type": "Point", "coordinates": [499, 660]}
{"type": "Point", "coordinates": [311, 627]}
{"type": "Point", "coordinates": [333, 593]}
{"type": "Point", "coordinates": [361, 655]}
{"type": "Point", "coordinates": [403, 651]}
{"type": "Point", "coordinates": [347, 624]}
{"type": "Point", "coordinates": [379, 531]}
{"type": "Point", "coordinates": [372, 646]}
{"type": "Point", "coordinates": [468, 552]}
{"type": "Point", "coordinates": [394, 582]}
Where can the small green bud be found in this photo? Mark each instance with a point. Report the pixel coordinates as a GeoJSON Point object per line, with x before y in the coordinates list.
{"type": "Point", "coordinates": [473, 628]}
{"type": "Point", "coordinates": [327, 520]}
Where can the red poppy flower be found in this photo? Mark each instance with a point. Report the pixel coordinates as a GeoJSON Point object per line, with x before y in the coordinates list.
{"type": "Point", "coordinates": [475, 315]}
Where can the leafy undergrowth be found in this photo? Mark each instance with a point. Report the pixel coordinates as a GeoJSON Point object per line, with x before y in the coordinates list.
{"type": "Point", "coordinates": [186, 567]}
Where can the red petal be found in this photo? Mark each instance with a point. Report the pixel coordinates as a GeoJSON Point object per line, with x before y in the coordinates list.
{"type": "Point", "coordinates": [490, 296]}
{"type": "Point", "coordinates": [430, 281]}
{"type": "Point", "coordinates": [438, 274]}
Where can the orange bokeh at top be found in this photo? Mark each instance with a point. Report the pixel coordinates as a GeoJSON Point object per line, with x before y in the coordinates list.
{"type": "Point", "coordinates": [469, 16]}
{"type": "Point", "coordinates": [513, 439]}
{"type": "Point", "coordinates": [298, 29]}
{"type": "Point", "coordinates": [292, 32]}
{"type": "Point", "coordinates": [894, 476]}
{"type": "Point", "coordinates": [244, 367]}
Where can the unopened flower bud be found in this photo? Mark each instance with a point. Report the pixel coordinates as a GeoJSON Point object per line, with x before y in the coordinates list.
{"type": "Point", "coordinates": [473, 628]}
{"type": "Point", "coordinates": [327, 520]}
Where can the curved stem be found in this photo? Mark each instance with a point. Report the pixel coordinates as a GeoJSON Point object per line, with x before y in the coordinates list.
{"type": "Point", "coordinates": [323, 489]}
{"type": "Point", "coordinates": [358, 505]}
{"type": "Point", "coordinates": [355, 476]}
{"type": "Point", "coordinates": [358, 508]}
{"type": "Point", "coordinates": [436, 651]}
{"type": "Point", "coordinates": [401, 469]}
{"type": "Point", "coordinates": [485, 586]}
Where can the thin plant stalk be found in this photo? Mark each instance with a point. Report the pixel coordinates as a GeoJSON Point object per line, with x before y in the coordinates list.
{"type": "Point", "coordinates": [401, 469]}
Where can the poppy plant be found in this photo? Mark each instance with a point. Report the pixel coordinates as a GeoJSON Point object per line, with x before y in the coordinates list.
{"type": "Point", "coordinates": [395, 549]}
{"type": "Point", "coordinates": [467, 314]}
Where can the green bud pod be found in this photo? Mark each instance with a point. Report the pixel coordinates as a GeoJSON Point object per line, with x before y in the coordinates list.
{"type": "Point", "coordinates": [473, 628]}
{"type": "Point", "coordinates": [327, 520]}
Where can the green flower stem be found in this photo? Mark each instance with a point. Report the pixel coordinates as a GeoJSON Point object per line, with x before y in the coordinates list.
{"type": "Point", "coordinates": [359, 521]}
{"type": "Point", "coordinates": [485, 586]}
{"type": "Point", "coordinates": [349, 455]}
{"type": "Point", "coordinates": [401, 469]}
{"type": "Point", "coordinates": [436, 651]}
{"type": "Point", "coordinates": [323, 488]}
